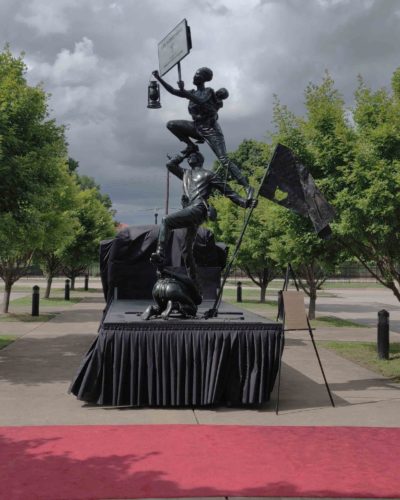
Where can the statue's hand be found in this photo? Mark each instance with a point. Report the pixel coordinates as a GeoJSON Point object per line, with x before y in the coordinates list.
{"type": "Point", "coordinates": [181, 85]}
{"type": "Point", "coordinates": [156, 75]}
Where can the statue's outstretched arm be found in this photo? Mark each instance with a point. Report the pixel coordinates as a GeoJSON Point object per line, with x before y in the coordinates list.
{"type": "Point", "coordinates": [227, 191]}
{"type": "Point", "coordinates": [170, 88]}
{"type": "Point", "coordinates": [174, 166]}
{"type": "Point", "coordinates": [182, 92]}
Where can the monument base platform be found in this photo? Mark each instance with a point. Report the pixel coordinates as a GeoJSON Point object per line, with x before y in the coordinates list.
{"type": "Point", "coordinates": [229, 360]}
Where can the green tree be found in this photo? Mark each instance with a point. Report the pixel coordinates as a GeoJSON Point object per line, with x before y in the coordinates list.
{"type": "Point", "coordinates": [60, 226]}
{"type": "Point", "coordinates": [369, 202]}
{"type": "Point", "coordinates": [18, 240]}
{"type": "Point", "coordinates": [323, 140]}
{"type": "Point", "coordinates": [254, 257]}
{"type": "Point", "coordinates": [311, 258]}
{"type": "Point", "coordinates": [86, 182]}
{"type": "Point", "coordinates": [95, 223]}
{"type": "Point", "coordinates": [356, 164]}
{"type": "Point", "coordinates": [32, 169]}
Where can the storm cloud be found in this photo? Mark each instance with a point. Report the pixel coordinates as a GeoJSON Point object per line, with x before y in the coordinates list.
{"type": "Point", "coordinates": [95, 57]}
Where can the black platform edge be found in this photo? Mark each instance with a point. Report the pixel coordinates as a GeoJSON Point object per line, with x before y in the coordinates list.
{"type": "Point", "coordinates": [181, 325]}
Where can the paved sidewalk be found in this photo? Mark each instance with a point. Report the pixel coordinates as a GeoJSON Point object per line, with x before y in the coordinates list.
{"type": "Point", "coordinates": [36, 370]}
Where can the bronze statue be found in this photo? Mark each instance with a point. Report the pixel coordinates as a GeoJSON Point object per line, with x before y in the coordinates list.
{"type": "Point", "coordinates": [198, 184]}
{"type": "Point", "coordinates": [204, 104]}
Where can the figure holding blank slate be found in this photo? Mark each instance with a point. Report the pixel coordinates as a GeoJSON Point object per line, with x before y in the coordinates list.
{"type": "Point", "coordinates": [204, 103]}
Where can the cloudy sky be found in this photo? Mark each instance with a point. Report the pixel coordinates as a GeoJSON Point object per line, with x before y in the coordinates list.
{"type": "Point", "coordinates": [95, 57]}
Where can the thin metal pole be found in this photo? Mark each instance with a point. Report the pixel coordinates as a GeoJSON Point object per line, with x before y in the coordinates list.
{"type": "Point", "coordinates": [281, 344]}
{"type": "Point", "coordinates": [213, 312]}
{"type": "Point", "coordinates": [313, 341]}
{"type": "Point", "coordinates": [179, 71]}
{"type": "Point", "coordinates": [281, 341]}
{"type": "Point", "coordinates": [167, 196]}
{"type": "Point", "coordinates": [319, 362]}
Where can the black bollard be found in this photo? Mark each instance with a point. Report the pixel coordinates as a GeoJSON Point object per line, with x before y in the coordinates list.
{"type": "Point", "coordinates": [280, 305]}
{"type": "Point", "coordinates": [86, 282]}
{"type": "Point", "coordinates": [383, 334]}
{"type": "Point", "coordinates": [35, 300]}
{"type": "Point", "coordinates": [239, 292]}
{"type": "Point", "coordinates": [66, 290]}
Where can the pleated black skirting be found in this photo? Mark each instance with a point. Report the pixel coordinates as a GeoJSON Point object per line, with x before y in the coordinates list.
{"type": "Point", "coordinates": [180, 364]}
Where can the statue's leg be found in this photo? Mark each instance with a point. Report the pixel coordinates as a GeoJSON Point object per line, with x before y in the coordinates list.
{"type": "Point", "coordinates": [188, 258]}
{"type": "Point", "coordinates": [184, 130]}
{"type": "Point", "coordinates": [189, 309]}
{"type": "Point", "coordinates": [183, 218]}
{"type": "Point", "coordinates": [168, 310]}
{"type": "Point", "coordinates": [215, 139]}
{"type": "Point", "coordinates": [151, 311]}
{"type": "Point", "coordinates": [159, 256]}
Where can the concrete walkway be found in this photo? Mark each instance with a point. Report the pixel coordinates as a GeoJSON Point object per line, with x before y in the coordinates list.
{"type": "Point", "coordinates": [36, 370]}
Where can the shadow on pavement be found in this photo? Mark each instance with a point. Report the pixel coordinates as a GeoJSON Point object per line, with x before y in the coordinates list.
{"type": "Point", "coordinates": [79, 316]}
{"type": "Point", "coordinates": [31, 361]}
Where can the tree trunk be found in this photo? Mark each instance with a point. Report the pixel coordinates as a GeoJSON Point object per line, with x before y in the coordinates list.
{"type": "Point", "coordinates": [313, 300]}
{"type": "Point", "coordinates": [262, 293]}
{"type": "Point", "coordinates": [395, 291]}
{"type": "Point", "coordinates": [6, 298]}
{"type": "Point", "coordinates": [48, 286]}
{"type": "Point", "coordinates": [73, 282]}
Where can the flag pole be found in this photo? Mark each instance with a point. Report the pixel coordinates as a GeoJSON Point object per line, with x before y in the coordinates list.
{"type": "Point", "coordinates": [213, 312]}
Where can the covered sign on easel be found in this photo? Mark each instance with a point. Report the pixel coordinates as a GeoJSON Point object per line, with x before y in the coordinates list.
{"type": "Point", "coordinates": [290, 178]}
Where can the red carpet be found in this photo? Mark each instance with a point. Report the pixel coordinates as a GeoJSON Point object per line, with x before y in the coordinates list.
{"type": "Point", "coordinates": [90, 462]}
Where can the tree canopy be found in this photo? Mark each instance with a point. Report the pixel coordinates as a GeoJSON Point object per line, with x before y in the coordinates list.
{"type": "Point", "coordinates": [44, 204]}
{"type": "Point", "coordinates": [354, 156]}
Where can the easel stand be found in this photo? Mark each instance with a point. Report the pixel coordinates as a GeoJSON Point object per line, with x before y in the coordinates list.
{"type": "Point", "coordinates": [286, 307]}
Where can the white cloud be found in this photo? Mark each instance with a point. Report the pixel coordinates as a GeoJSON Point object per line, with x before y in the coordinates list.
{"type": "Point", "coordinates": [47, 17]}
{"type": "Point", "coordinates": [83, 85]}
{"type": "Point", "coordinates": [71, 67]}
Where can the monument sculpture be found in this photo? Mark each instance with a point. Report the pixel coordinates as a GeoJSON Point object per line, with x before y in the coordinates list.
{"type": "Point", "coordinates": [283, 173]}
{"type": "Point", "coordinates": [174, 292]}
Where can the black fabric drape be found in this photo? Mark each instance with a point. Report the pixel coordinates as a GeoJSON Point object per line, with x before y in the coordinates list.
{"type": "Point", "coordinates": [156, 365]}
{"type": "Point", "coordinates": [125, 261]}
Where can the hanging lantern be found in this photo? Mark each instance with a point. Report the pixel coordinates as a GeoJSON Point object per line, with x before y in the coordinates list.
{"type": "Point", "coordinates": [153, 95]}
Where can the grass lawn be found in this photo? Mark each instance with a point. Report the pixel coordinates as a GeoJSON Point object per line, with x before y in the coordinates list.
{"type": "Point", "coordinates": [277, 284]}
{"type": "Point", "coordinates": [52, 301]}
{"type": "Point", "coordinates": [25, 317]}
{"type": "Point", "coordinates": [334, 321]}
{"type": "Point", "coordinates": [269, 310]}
{"type": "Point", "coordinates": [18, 288]}
{"type": "Point", "coordinates": [247, 293]}
{"type": "Point", "coordinates": [365, 354]}
{"type": "Point", "coordinates": [351, 284]}
{"type": "Point", "coordinates": [5, 340]}
{"type": "Point", "coordinates": [89, 290]}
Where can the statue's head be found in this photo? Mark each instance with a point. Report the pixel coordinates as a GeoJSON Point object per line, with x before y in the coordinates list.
{"type": "Point", "coordinates": [195, 159]}
{"type": "Point", "coordinates": [202, 75]}
{"type": "Point", "coordinates": [222, 93]}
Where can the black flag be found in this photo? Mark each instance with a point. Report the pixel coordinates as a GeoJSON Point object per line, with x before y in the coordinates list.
{"type": "Point", "coordinates": [290, 184]}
